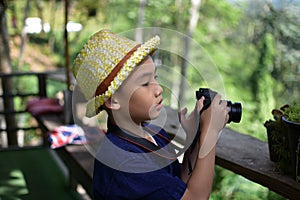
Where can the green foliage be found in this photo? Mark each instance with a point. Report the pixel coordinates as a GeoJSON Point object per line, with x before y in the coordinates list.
{"type": "Point", "coordinates": [164, 13]}
{"type": "Point", "coordinates": [231, 186]}
{"type": "Point", "coordinates": [283, 25]}
{"type": "Point", "coordinates": [215, 16]}
{"type": "Point", "coordinates": [54, 87]}
{"type": "Point", "coordinates": [27, 84]}
{"type": "Point", "coordinates": [262, 81]}
{"type": "Point", "coordinates": [293, 113]}
{"type": "Point", "coordinates": [88, 7]}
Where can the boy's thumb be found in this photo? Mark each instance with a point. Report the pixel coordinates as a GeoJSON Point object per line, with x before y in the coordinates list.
{"type": "Point", "coordinates": [182, 114]}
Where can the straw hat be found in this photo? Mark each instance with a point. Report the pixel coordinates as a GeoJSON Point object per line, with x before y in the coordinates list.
{"type": "Point", "coordinates": [104, 62]}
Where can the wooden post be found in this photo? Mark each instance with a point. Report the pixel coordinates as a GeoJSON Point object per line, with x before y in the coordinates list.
{"type": "Point", "coordinates": [67, 56]}
{"type": "Point", "coordinates": [42, 85]}
{"type": "Point", "coordinates": [10, 119]}
{"type": "Point", "coordinates": [7, 85]}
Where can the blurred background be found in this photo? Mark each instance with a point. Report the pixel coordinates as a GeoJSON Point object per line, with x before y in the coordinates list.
{"type": "Point", "coordinates": [255, 45]}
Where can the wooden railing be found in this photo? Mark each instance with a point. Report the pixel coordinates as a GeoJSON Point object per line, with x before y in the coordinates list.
{"type": "Point", "coordinates": [8, 98]}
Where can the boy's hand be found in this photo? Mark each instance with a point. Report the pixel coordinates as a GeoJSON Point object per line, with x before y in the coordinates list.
{"type": "Point", "coordinates": [215, 117]}
{"type": "Point", "coordinates": [212, 120]}
{"type": "Point", "coordinates": [190, 123]}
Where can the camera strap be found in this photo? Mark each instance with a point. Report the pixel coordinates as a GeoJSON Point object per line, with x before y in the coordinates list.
{"type": "Point", "coordinates": [144, 143]}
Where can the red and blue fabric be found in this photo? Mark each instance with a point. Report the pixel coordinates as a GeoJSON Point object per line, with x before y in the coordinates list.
{"type": "Point", "coordinates": [64, 135]}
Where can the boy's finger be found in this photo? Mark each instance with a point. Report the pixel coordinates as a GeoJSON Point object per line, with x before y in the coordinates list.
{"type": "Point", "coordinates": [199, 104]}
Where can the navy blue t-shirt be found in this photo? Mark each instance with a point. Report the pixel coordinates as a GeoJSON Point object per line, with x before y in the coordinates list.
{"type": "Point", "coordinates": [124, 170]}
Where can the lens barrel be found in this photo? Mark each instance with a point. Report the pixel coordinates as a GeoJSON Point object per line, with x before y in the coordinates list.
{"type": "Point", "coordinates": [235, 113]}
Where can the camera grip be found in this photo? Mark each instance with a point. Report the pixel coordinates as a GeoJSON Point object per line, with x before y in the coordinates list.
{"type": "Point", "coordinates": [208, 94]}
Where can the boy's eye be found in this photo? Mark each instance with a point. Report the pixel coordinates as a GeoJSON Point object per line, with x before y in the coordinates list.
{"type": "Point", "coordinates": [147, 82]}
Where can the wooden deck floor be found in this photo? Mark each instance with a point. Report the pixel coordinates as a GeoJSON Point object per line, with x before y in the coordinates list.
{"type": "Point", "coordinates": [32, 174]}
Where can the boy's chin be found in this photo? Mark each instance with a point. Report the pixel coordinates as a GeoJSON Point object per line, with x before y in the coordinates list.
{"type": "Point", "coordinates": [154, 115]}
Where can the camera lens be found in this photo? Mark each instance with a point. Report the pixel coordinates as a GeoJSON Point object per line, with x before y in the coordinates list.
{"type": "Point", "coordinates": [235, 113]}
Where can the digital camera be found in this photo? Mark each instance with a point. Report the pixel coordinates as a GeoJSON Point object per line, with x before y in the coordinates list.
{"type": "Point", "coordinates": [235, 113]}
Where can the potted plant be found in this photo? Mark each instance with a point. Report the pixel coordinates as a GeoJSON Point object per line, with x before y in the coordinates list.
{"type": "Point", "coordinates": [291, 117]}
{"type": "Point", "coordinates": [278, 141]}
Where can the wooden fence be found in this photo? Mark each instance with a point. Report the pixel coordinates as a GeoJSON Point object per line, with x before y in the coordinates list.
{"type": "Point", "coordinates": [9, 114]}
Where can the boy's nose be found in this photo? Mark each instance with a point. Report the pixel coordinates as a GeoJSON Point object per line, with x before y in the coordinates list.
{"type": "Point", "coordinates": [158, 90]}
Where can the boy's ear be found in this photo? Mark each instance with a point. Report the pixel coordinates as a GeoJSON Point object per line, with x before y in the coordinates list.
{"type": "Point", "coordinates": [112, 104]}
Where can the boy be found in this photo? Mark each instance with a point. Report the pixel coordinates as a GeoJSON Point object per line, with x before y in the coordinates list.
{"type": "Point", "coordinates": [136, 159]}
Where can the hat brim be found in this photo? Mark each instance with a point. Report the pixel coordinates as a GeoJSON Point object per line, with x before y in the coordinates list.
{"type": "Point", "coordinates": [93, 106]}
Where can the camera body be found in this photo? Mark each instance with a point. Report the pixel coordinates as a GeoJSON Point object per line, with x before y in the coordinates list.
{"type": "Point", "coordinates": [235, 113]}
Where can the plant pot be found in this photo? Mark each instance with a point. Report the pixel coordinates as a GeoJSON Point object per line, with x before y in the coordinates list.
{"type": "Point", "coordinates": [272, 144]}
{"type": "Point", "coordinates": [294, 145]}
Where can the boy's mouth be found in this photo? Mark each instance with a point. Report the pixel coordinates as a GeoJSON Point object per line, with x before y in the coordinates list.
{"type": "Point", "coordinates": [159, 104]}
{"type": "Point", "coordinates": [160, 101]}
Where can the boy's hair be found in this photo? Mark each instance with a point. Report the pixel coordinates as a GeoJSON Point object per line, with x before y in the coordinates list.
{"type": "Point", "coordinates": [104, 62]}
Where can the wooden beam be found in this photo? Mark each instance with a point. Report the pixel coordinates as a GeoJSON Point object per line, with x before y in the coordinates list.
{"type": "Point", "coordinates": [249, 157]}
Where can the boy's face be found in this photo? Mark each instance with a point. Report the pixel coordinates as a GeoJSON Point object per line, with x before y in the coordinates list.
{"type": "Point", "coordinates": [140, 96]}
